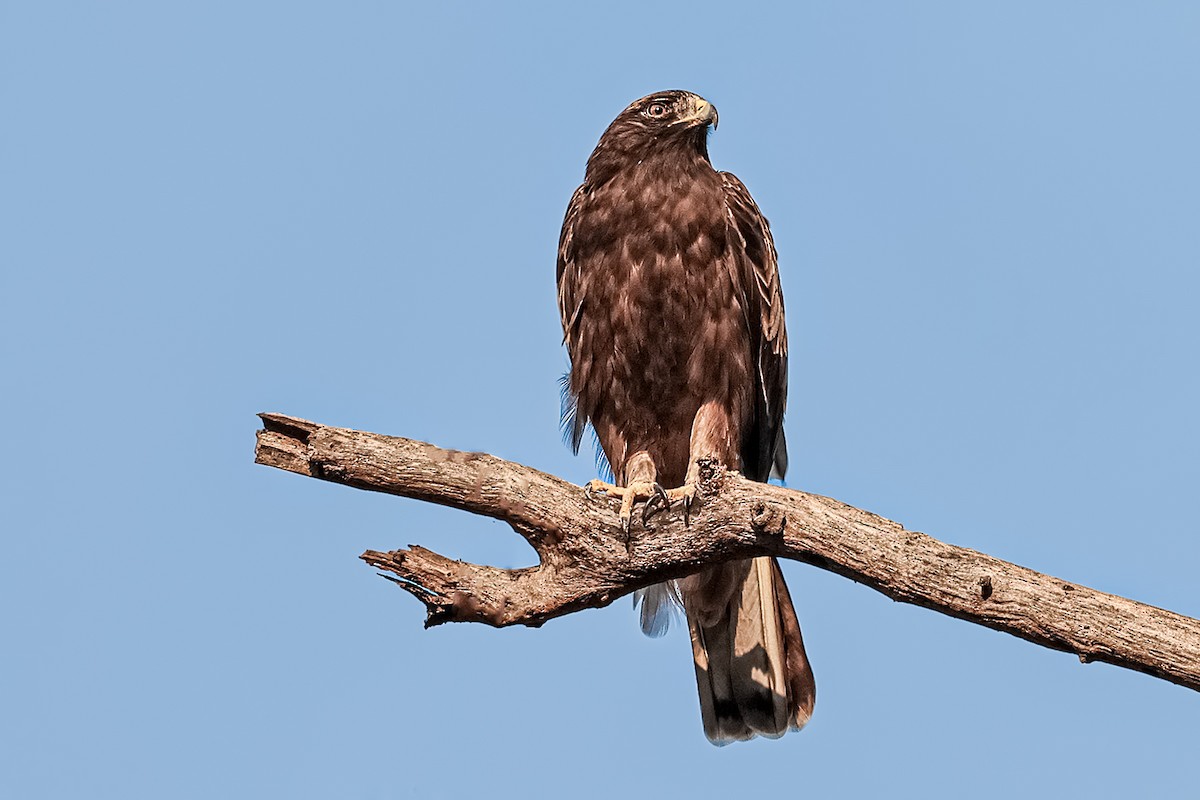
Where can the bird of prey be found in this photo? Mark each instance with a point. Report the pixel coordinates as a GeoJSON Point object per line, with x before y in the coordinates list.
{"type": "Point", "coordinates": [672, 315]}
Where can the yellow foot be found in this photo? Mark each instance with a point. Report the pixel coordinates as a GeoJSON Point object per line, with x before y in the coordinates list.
{"type": "Point", "coordinates": [629, 495]}
{"type": "Point", "coordinates": [657, 498]}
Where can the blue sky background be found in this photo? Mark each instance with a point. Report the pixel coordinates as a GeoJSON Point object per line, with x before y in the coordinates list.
{"type": "Point", "coordinates": [987, 219]}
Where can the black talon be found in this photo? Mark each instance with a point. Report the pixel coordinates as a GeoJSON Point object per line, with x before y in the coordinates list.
{"type": "Point", "coordinates": [626, 525]}
{"type": "Point", "coordinates": [657, 493]}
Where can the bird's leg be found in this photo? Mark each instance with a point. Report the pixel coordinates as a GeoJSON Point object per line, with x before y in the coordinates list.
{"type": "Point", "coordinates": [712, 437]}
{"type": "Point", "coordinates": [640, 484]}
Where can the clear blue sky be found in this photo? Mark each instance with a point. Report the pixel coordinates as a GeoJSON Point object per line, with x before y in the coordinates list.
{"type": "Point", "coordinates": [987, 216]}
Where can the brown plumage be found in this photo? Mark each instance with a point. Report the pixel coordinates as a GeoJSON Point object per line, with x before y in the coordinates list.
{"type": "Point", "coordinates": [672, 315]}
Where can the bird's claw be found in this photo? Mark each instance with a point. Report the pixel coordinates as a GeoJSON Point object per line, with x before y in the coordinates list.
{"type": "Point", "coordinates": [657, 495]}
{"type": "Point", "coordinates": [686, 493]}
{"type": "Point", "coordinates": [657, 499]}
{"type": "Point", "coordinates": [653, 493]}
{"type": "Point", "coordinates": [595, 487]}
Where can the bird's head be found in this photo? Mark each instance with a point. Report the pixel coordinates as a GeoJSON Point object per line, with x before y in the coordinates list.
{"type": "Point", "coordinates": [673, 122]}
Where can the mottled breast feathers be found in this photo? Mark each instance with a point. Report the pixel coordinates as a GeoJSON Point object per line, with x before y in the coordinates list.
{"type": "Point", "coordinates": [752, 263]}
{"type": "Point", "coordinates": [672, 314]}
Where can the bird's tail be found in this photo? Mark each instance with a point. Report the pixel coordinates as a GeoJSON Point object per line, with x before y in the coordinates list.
{"type": "Point", "coordinates": [751, 669]}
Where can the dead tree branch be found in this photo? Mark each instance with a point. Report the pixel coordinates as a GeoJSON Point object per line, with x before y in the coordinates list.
{"type": "Point", "coordinates": [586, 561]}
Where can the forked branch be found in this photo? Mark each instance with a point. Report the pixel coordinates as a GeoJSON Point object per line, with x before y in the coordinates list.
{"type": "Point", "coordinates": [586, 560]}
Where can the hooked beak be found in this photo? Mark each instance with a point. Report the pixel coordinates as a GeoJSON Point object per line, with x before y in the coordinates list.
{"type": "Point", "coordinates": [702, 113]}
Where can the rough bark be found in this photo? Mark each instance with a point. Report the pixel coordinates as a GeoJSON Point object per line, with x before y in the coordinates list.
{"type": "Point", "coordinates": [587, 561]}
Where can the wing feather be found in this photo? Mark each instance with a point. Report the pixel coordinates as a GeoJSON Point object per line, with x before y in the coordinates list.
{"type": "Point", "coordinates": [571, 297]}
{"type": "Point", "coordinates": [764, 451]}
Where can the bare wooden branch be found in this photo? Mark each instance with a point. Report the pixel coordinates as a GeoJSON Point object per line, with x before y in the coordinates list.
{"type": "Point", "coordinates": [586, 561]}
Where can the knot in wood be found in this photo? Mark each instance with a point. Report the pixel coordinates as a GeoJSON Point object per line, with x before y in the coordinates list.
{"type": "Point", "coordinates": [767, 518]}
{"type": "Point", "coordinates": [711, 472]}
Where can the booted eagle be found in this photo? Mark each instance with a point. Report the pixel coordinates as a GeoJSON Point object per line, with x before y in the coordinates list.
{"type": "Point", "coordinates": [672, 316]}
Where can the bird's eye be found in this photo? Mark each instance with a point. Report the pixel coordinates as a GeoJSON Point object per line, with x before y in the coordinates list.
{"type": "Point", "coordinates": [656, 110]}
